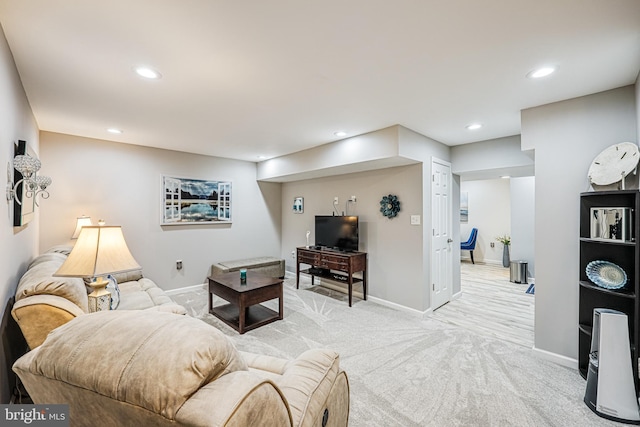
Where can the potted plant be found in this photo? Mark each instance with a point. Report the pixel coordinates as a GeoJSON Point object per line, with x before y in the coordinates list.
{"type": "Point", "coordinates": [506, 241]}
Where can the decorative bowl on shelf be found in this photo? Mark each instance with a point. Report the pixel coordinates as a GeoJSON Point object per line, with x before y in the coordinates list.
{"type": "Point", "coordinates": [606, 274]}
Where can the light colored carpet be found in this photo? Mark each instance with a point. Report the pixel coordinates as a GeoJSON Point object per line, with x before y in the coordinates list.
{"type": "Point", "coordinates": [407, 371]}
{"type": "Point", "coordinates": [492, 305]}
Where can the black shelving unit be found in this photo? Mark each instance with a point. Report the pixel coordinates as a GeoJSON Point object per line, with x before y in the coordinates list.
{"type": "Point", "coordinates": [624, 254]}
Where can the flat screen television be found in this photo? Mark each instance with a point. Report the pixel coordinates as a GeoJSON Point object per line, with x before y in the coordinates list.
{"type": "Point", "coordinates": [337, 232]}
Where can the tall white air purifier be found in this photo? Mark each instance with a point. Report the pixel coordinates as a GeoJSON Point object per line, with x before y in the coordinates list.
{"type": "Point", "coordinates": [610, 390]}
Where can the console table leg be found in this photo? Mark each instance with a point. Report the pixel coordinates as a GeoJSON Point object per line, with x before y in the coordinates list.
{"type": "Point", "coordinates": [364, 284]}
{"type": "Point", "coordinates": [350, 289]}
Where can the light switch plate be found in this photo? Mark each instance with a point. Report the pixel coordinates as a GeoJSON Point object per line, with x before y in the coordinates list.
{"type": "Point", "coordinates": [415, 219]}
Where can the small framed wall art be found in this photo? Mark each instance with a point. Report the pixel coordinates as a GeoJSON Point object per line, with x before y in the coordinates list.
{"type": "Point", "coordinates": [298, 205]}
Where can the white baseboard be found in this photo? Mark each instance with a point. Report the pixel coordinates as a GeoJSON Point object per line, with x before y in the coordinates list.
{"type": "Point", "coordinates": [557, 358]}
{"type": "Point", "coordinates": [482, 261]}
{"type": "Point", "coordinates": [399, 307]}
{"type": "Point", "coordinates": [375, 300]}
{"type": "Point", "coordinates": [185, 289]}
{"type": "Point", "coordinates": [456, 296]}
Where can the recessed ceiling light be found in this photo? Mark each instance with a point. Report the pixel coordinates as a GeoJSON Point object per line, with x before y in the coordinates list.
{"type": "Point", "coordinates": [474, 126]}
{"type": "Point", "coordinates": [340, 133]}
{"type": "Point", "coordinates": [148, 73]}
{"type": "Point", "coordinates": [114, 131]}
{"type": "Point", "coordinates": [505, 177]}
{"type": "Point", "coordinates": [540, 72]}
{"type": "Point", "coordinates": [262, 157]}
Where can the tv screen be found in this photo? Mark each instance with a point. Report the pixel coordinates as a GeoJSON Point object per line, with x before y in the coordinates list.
{"type": "Point", "coordinates": [338, 232]}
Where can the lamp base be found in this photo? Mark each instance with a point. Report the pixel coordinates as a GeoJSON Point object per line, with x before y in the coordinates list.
{"type": "Point", "coordinates": [100, 298]}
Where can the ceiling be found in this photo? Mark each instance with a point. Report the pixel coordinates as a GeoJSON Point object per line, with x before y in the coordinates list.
{"type": "Point", "coordinates": [242, 79]}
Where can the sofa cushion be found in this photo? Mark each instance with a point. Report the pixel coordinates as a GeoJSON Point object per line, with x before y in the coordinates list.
{"type": "Point", "coordinates": [39, 280]}
{"type": "Point", "coordinates": [48, 256]}
{"type": "Point", "coordinates": [89, 352]}
{"type": "Point", "coordinates": [143, 294]}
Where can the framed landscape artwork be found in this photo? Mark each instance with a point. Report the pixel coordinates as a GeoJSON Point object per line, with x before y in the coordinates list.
{"type": "Point", "coordinates": [195, 201]}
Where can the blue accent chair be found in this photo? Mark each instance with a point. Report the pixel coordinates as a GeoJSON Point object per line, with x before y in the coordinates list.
{"type": "Point", "coordinates": [470, 244]}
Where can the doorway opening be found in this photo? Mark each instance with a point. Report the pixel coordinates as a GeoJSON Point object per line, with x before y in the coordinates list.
{"type": "Point", "coordinates": [489, 302]}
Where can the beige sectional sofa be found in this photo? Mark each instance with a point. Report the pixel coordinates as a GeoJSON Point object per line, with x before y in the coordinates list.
{"type": "Point", "coordinates": [44, 302]}
{"type": "Point", "coordinates": [143, 365]}
{"type": "Point", "coordinates": [178, 371]}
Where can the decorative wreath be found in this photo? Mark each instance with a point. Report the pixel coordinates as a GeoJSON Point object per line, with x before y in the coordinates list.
{"type": "Point", "coordinates": [390, 206]}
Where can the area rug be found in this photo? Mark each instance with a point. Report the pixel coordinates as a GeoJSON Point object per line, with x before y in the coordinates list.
{"type": "Point", "coordinates": [408, 371]}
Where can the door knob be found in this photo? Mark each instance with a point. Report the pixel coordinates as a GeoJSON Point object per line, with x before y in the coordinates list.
{"type": "Point", "coordinates": [449, 241]}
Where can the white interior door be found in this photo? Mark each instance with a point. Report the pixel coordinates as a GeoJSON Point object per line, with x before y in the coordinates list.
{"type": "Point", "coordinates": [442, 240]}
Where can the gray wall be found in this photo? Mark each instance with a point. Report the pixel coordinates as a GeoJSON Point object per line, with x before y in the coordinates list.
{"type": "Point", "coordinates": [523, 204]}
{"type": "Point", "coordinates": [17, 245]}
{"type": "Point", "coordinates": [424, 149]}
{"type": "Point", "coordinates": [566, 137]}
{"type": "Point", "coordinates": [394, 246]}
{"type": "Point", "coordinates": [121, 184]}
{"type": "Point", "coordinates": [500, 156]}
{"type": "Point", "coordinates": [637, 86]}
{"type": "Point", "coordinates": [402, 275]}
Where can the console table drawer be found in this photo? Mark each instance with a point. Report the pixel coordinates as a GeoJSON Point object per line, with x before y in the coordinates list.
{"type": "Point", "coordinates": [334, 264]}
{"type": "Point", "coordinates": [308, 259]}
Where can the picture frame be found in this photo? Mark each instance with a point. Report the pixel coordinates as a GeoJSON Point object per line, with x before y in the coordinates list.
{"type": "Point", "coordinates": [298, 205]}
{"type": "Point", "coordinates": [195, 201]}
{"type": "Point", "coordinates": [464, 207]}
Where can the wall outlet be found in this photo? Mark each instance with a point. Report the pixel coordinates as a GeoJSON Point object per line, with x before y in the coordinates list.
{"type": "Point", "coordinates": [335, 200]}
{"type": "Point", "coordinates": [353, 199]}
{"type": "Point", "coordinates": [493, 245]}
{"type": "Point", "coordinates": [415, 219]}
{"type": "Point", "coordinates": [293, 254]}
{"type": "Point", "coordinates": [179, 264]}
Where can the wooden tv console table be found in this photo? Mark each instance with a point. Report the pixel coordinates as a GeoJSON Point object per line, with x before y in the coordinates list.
{"type": "Point", "coordinates": [322, 261]}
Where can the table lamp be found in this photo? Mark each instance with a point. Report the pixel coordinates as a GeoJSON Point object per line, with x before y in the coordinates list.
{"type": "Point", "coordinates": [99, 251]}
{"type": "Point", "coordinates": [82, 221]}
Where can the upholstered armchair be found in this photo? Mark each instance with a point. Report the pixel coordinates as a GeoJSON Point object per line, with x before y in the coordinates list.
{"type": "Point", "coordinates": [151, 368]}
{"type": "Point", "coordinates": [470, 244]}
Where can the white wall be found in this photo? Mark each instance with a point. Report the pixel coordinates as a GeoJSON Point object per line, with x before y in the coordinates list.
{"type": "Point", "coordinates": [121, 184]}
{"type": "Point", "coordinates": [523, 205]}
{"type": "Point", "coordinates": [566, 137]}
{"type": "Point", "coordinates": [490, 213]}
{"type": "Point", "coordinates": [394, 246]}
{"type": "Point", "coordinates": [17, 245]}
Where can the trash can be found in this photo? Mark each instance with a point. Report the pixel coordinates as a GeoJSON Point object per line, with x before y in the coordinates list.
{"type": "Point", "coordinates": [518, 272]}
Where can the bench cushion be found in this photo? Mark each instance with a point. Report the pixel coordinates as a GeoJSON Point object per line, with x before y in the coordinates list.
{"type": "Point", "coordinates": [250, 262]}
{"type": "Point", "coordinates": [268, 265]}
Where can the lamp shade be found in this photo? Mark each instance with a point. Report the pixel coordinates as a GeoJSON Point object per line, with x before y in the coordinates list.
{"type": "Point", "coordinates": [82, 221]}
{"type": "Point", "coordinates": [99, 251]}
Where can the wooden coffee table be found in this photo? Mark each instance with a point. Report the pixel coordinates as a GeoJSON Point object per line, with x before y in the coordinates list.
{"type": "Point", "coordinates": [244, 311]}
